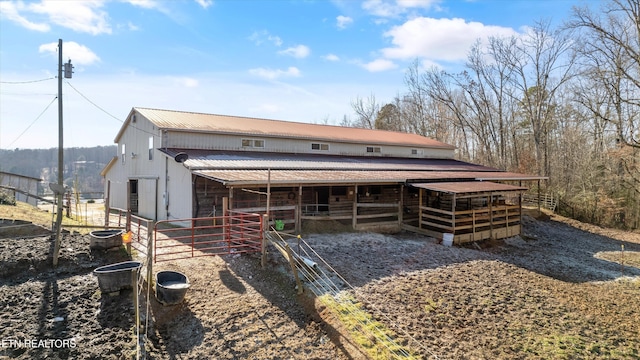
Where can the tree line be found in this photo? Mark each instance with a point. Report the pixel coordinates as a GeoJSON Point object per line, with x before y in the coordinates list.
{"type": "Point", "coordinates": [561, 102]}
{"type": "Point", "coordinates": [82, 166]}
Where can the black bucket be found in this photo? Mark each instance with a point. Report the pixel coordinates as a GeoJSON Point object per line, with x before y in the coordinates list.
{"type": "Point", "coordinates": [105, 239]}
{"type": "Point", "coordinates": [116, 277]}
{"type": "Point", "coordinates": [171, 287]}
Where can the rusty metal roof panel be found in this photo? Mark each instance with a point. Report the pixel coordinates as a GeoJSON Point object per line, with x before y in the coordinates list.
{"type": "Point", "coordinates": [212, 123]}
{"type": "Point", "coordinates": [465, 187]}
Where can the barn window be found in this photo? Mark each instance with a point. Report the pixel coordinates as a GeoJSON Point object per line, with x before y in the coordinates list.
{"type": "Point", "coordinates": [318, 146]}
{"type": "Point", "coordinates": [373, 149]}
{"type": "Point", "coordinates": [124, 154]}
{"type": "Point", "coordinates": [252, 143]}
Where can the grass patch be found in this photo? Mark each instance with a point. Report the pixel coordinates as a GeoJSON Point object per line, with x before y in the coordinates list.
{"type": "Point", "coordinates": [377, 341]}
{"type": "Point", "coordinates": [26, 212]}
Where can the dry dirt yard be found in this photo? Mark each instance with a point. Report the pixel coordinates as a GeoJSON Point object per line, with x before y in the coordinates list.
{"type": "Point", "coordinates": [560, 291]}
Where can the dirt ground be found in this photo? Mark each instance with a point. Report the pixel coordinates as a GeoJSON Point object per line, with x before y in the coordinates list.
{"type": "Point", "coordinates": [559, 291]}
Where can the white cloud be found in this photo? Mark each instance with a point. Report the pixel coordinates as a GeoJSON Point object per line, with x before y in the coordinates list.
{"type": "Point", "coordinates": [145, 4]}
{"type": "Point", "coordinates": [10, 11]}
{"type": "Point", "coordinates": [438, 39]}
{"type": "Point", "coordinates": [81, 16]}
{"type": "Point", "coordinates": [204, 3]}
{"type": "Point", "coordinates": [331, 57]}
{"type": "Point", "coordinates": [260, 37]}
{"type": "Point", "coordinates": [186, 82]}
{"type": "Point", "coordinates": [79, 54]}
{"type": "Point", "coordinates": [386, 8]}
{"type": "Point", "coordinates": [343, 21]}
{"type": "Point", "coordinates": [299, 52]}
{"type": "Point", "coordinates": [272, 74]}
{"type": "Point", "coordinates": [379, 65]}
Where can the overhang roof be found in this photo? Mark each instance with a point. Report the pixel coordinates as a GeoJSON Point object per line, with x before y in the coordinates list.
{"type": "Point", "coordinates": [338, 177]}
{"type": "Point", "coordinates": [243, 160]}
{"type": "Point", "coordinates": [468, 187]}
{"type": "Point", "coordinates": [236, 125]}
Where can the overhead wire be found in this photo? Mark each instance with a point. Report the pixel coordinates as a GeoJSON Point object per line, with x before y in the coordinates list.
{"type": "Point", "coordinates": [26, 82]}
{"type": "Point", "coordinates": [104, 111]}
{"type": "Point", "coordinates": [33, 122]}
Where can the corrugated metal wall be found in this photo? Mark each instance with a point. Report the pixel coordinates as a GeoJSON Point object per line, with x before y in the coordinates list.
{"type": "Point", "coordinates": [234, 143]}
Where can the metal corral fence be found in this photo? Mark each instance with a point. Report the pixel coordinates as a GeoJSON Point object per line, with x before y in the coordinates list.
{"type": "Point", "coordinates": [136, 227]}
{"type": "Point", "coordinates": [237, 232]}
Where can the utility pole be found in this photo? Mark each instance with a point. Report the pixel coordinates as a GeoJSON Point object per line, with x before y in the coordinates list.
{"type": "Point", "coordinates": [59, 188]}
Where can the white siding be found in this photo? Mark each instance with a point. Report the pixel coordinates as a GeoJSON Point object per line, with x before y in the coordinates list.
{"type": "Point", "coordinates": [179, 185]}
{"type": "Point", "coordinates": [188, 140]}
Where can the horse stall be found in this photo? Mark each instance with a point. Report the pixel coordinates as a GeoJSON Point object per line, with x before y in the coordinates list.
{"type": "Point", "coordinates": [470, 211]}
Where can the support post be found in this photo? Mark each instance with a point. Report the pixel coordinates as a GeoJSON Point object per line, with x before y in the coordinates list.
{"type": "Point", "coordinates": [263, 243]}
{"type": "Point", "coordinates": [59, 194]}
{"type": "Point", "coordinates": [420, 191]}
{"type": "Point", "coordinates": [401, 206]}
{"type": "Point", "coordinates": [354, 220]}
{"type": "Point", "coordinates": [107, 209]}
{"type": "Point", "coordinates": [299, 212]}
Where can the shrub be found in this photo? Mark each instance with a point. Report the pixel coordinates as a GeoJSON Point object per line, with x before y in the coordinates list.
{"type": "Point", "coordinates": [6, 198]}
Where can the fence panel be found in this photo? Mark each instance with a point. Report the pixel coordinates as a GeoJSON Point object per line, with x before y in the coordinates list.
{"type": "Point", "coordinates": [237, 232]}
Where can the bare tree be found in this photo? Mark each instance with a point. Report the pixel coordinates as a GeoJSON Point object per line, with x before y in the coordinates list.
{"type": "Point", "coordinates": [611, 52]}
{"type": "Point", "coordinates": [366, 111]}
{"type": "Point", "coordinates": [544, 64]}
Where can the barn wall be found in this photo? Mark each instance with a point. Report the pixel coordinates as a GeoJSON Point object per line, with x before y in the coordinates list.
{"type": "Point", "coordinates": [191, 140]}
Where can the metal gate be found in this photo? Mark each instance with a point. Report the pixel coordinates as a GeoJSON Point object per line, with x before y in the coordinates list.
{"type": "Point", "coordinates": [234, 233]}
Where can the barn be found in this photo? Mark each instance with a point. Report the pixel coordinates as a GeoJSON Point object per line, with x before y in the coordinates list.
{"type": "Point", "coordinates": [182, 165]}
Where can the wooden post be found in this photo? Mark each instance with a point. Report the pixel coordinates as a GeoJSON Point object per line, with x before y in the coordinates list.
{"type": "Point", "coordinates": [299, 212]}
{"type": "Point", "coordinates": [136, 305]}
{"type": "Point", "coordinates": [453, 215]}
{"type": "Point", "coordinates": [401, 205]}
{"type": "Point", "coordinates": [263, 243]}
{"type": "Point", "coordinates": [420, 208]}
{"type": "Point", "coordinates": [520, 212]}
{"type": "Point", "coordinates": [491, 215]}
{"type": "Point", "coordinates": [293, 268]}
{"type": "Point", "coordinates": [107, 209]}
{"type": "Point", "coordinates": [151, 225]}
{"type": "Point", "coordinates": [354, 220]}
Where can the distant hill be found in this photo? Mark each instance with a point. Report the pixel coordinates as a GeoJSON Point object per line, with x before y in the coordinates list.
{"type": "Point", "coordinates": [81, 165]}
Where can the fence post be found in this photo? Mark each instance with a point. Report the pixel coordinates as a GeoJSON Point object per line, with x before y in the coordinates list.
{"type": "Point", "coordinates": [263, 245]}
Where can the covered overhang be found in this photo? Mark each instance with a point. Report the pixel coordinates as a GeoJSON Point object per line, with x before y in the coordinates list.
{"type": "Point", "coordinates": [469, 188]}
{"type": "Point", "coordinates": [344, 177]}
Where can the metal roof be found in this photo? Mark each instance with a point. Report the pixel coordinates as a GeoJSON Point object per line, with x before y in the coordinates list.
{"type": "Point", "coordinates": [212, 123]}
{"type": "Point", "coordinates": [466, 187]}
{"type": "Point", "coordinates": [229, 160]}
{"type": "Point", "coordinates": [343, 177]}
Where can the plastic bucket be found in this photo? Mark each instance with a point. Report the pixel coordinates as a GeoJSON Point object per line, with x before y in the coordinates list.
{"type": "Point", "coordinates": [279, 225]}
{"type": "Point", "coordinates": [171, 287]}
{"type": "Point", "coordinates": [447, 239]}
{"type": "Point", "coordinates": [105, 239]}
{"type": "Point", "coordinates": [116, 277]}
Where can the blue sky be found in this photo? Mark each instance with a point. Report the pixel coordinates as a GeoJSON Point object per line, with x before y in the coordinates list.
{"type": "Point", "coordinates": [290, 60]}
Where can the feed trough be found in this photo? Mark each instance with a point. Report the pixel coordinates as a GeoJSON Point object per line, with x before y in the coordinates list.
{"type": "Point", "coordinates": [105, 239]}
{"type": "Point", "coordinates": [116, 277]}
{"type": "Point", "coordinates": [171, 287]}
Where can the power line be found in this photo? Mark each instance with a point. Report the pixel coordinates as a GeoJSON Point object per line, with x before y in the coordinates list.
{"type": "Point", "coordinates": [33, 122]}
{"type": "Point", "coordinates": [26, 82]}
{"type": "Point", "coordinates": [91, 102]}
{"type": "Point", "coordinates": [106, 112]}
